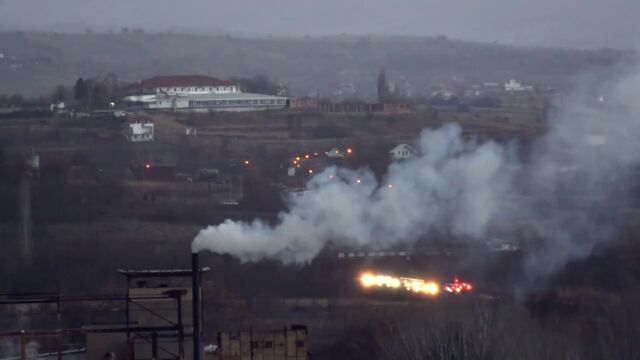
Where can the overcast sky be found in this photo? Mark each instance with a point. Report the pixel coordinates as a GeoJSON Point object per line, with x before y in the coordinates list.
{"type": "Point", "coordinates": [576, 23]}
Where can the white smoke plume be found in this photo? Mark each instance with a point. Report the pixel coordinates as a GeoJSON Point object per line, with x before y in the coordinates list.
{"type": "Point", "coordinates": [575, 175]}
{"type": "Point", "coordinates": [450, 184]}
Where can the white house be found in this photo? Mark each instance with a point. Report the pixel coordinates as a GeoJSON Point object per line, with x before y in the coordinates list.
{"type": "Point", "coordinates": [514, 85]}
{"type": "Point", "coordinates": [335, 153]}
{"type": "Point", "coordinates": [140, 131]}
{"type": "Point", "coordinates": [57, 107]}
{"type": "Point", "coordinates": [403, 152]}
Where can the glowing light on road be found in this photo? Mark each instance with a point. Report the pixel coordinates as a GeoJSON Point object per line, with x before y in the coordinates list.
{"type": "Point", "coordinates": [457, 287]}
{"type": "Point", "coordinates": [419, 286]}
{"type": "Point", "coordinates": [349, 151]}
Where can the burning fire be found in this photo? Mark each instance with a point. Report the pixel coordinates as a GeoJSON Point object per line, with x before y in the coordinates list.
{"type": "Point", "coordinates": [419, 286]}
{"type": "Point", "coordinates": [368, 280]}
{"type": "Point", "coordinates": [457, 286]}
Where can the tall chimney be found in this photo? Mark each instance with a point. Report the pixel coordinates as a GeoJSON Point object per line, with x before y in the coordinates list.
{"type": "Point", "coordinates": [195, 289]}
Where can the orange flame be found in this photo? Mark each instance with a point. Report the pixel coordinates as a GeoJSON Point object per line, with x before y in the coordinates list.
{"type": "Point", "coordinates": [369, 280]}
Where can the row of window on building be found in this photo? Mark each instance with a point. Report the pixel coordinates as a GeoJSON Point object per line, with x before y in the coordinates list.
{"type": "Point", "coordinates": [221, 103]}
{"type": "Point", "coordinates": [193, 89]}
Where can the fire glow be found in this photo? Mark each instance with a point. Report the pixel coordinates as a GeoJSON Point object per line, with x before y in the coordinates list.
{"type": "Point", "coordinates": [369, 280]}
{"type": "Point", "coordinates": [457, 286]}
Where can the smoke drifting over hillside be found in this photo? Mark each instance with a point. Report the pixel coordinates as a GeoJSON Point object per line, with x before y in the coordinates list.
{"type": "Point", "coordinates": [452, 184]}
{"type": "Point", "coordinates": [578, 174]}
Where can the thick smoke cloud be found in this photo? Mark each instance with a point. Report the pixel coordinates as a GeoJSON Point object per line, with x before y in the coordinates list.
{"type": "Point", "coordinates": [451, 184]}
{"type": "Point", "coordinates": [583, 173]}
{"type": "Point", "coordinates": [568, 191]}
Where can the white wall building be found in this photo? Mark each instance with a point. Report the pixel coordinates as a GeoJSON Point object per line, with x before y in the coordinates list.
{"type": "Point", "coordinates": [184, 85]}
{"type": "Point", "coordinates": [198, 93]}
{"type": "Point", "coordinates": [403, 152]}
{"type": "Point", "coordinates": [140, 132]}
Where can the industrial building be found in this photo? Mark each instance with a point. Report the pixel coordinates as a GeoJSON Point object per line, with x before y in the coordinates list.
{"type": "Point", "coordinates": [197, 93]}
{"type": "Point", "coordinates": [281, 344]}
{"type": "Point", "coordinates": [157, 318]}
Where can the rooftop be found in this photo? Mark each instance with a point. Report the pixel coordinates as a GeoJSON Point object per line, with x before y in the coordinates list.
{"type": "Point", "coordinates": [159, 273]}
{"type": "Point", "coordinates": [232, 96]}
{"type": "Point", "coordinates": [180, 81]}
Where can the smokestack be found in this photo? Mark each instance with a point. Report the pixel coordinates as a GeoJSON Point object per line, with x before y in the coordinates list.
{"type": "Point", "coordinates": [195, 289]}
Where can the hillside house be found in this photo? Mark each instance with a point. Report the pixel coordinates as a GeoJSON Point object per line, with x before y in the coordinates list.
{"type": "Point", "coordinates": [140, 131]}
{"type": "Point", "coordinates": [515, 86]}
{"type": "Point", "coordinates": [403, 152]}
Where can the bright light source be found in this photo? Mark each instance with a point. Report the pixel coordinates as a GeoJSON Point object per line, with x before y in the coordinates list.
{"type": "Point", "coordinates": [358, 181]}
{"type": "Point", "coordinates": [349, 151]}
{"type": "Point", "coordinates": [147, 166]}
{"type": "Point", "coordinates": [246, 162]}
{"type": "Point", "coordinates": [298, 158]}
{"type": "Point", "coordinates": [330, 176]}
{"type": "Point", "coordinates": [295, 162]}
{"type": "Point", "coordinates": [420, 286]}
{"type": "Point", "coordinates": [310, 171]}
{"type": "Point", "coordinates": [315, 153]}
{"type": "Point", "coordinates": [389, 186]}
{"type": "Point", "coordinates": [306, 156]}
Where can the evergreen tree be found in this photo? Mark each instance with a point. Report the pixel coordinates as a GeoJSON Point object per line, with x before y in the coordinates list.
{"type": "Point", "coordinates": [383, 87]}
{"type": "Point", "coordinates": [81, 91]}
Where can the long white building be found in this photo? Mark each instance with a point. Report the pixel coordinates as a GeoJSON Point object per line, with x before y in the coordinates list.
{"type": "Point", "coordinates": [197, 93]}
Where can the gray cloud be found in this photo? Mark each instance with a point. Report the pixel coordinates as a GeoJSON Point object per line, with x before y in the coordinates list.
{"type": "Point", "coordinates": [577, 23]}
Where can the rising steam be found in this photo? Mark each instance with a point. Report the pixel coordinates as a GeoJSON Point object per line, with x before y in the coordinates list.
{"type": "Point", "coordinates": [565, 190]}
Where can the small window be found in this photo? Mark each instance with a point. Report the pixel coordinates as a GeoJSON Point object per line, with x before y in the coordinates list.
{"type": "Point", "coordinates": [255, 344]}
{"type": "Point", "coordinates": [300, 343]}
{"type": "Point", "coordinates": [268, 344]}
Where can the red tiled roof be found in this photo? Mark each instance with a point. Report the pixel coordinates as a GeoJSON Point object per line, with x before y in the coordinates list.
{"type": "Point", "coordinates": [180, 81]}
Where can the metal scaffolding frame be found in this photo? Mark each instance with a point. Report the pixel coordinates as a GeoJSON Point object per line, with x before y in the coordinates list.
{"type": "Point", "coordinates": [150, 334]}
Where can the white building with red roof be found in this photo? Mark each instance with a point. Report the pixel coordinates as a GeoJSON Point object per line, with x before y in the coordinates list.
{"type": "Point", "coordinates": [183, 85]}
{"type": "Point", "coordinates": [197, 93]}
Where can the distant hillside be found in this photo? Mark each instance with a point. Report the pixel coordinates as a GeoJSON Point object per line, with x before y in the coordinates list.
{"type": "Point", "coordinates": [33, 63]}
